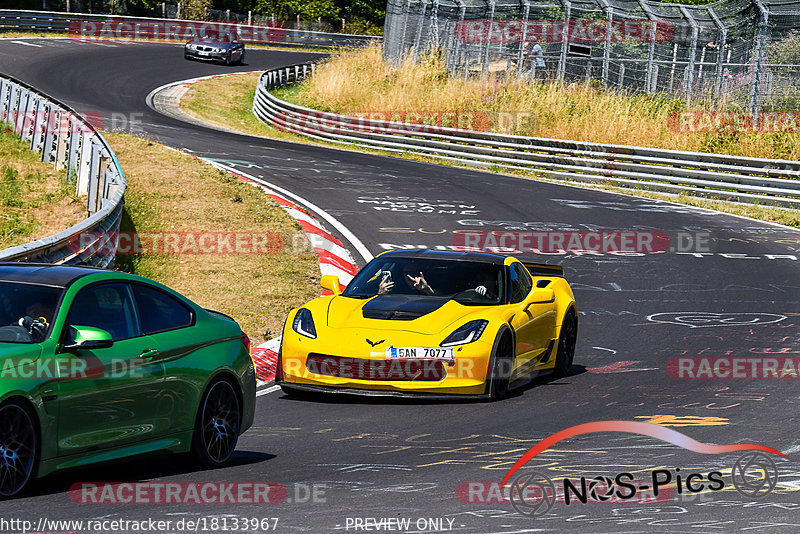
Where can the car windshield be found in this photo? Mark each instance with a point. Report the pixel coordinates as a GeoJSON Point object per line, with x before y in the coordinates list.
{"type": "Point", "coordinates": [467, 282]}
{"type": "Point", "coordinates": [26, 311]}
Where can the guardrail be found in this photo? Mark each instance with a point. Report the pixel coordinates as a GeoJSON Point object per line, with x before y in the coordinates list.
{"type": "Point", "coordinates": [719, 176]}
{"type": "Point", "coordinates": [62, 136]}
{"type": "Point", "coordinates": [129, 28]}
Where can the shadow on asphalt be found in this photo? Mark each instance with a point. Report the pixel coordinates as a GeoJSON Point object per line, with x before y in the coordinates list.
{"type": "Point", "coordinates": [355, 399]}
{"type": "Point", "coordinates": [136, 469]}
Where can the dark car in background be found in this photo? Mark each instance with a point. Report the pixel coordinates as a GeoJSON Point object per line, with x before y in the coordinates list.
{"type": "Point", "coordinates": [227, 49]}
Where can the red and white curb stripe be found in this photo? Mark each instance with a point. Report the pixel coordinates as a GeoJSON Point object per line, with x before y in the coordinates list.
{"type": "Point", "coordinates": [333, 258]}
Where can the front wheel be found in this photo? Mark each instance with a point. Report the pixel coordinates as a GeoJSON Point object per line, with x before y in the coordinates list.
{"type": "Point", "coordinates": [217, 426]}
{"type": "Point", "coordinates": [18, 449]}
{"type": "Point", "coordinates": [500, 376]}
{"type": "Point", "coordinates": [566, 343]}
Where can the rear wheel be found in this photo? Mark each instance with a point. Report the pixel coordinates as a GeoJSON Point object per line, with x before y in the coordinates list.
{"type": "Point", "coordinates": [500, 376]}
{"type": "Point", "coordinates": [18, 448]}
{"type": "Point", "coordinates": [217, 426]}
{"type": "Point", "coordinates": [566, 343]}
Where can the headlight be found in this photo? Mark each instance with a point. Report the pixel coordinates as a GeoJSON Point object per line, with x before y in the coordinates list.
{"type": "Point", "coordinates": [466, 334]}
{"type": "Point", "coordinates": [303, 323]}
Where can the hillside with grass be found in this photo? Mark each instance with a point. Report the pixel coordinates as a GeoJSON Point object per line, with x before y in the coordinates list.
{"type": "Point", "coordinates": [36, 199]}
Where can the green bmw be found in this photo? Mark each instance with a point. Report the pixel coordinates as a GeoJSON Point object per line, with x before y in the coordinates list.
{"type": "Point", "coordinates": [97, 365]}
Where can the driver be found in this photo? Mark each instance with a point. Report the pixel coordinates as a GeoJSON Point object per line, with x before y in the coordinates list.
{"type": "Point", "coordinates": [413, 278]}
{"type": "Point", "coordinates": [485, 284]}
{"type": "Point", "coordinates": [35, 320]}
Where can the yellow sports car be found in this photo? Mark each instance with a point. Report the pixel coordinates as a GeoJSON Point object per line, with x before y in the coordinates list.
{"type": "Point", "coordinates": [432, 323]}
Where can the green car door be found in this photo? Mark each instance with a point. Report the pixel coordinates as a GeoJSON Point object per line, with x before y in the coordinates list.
{"type": "Point", "coordinates": [116, 397]}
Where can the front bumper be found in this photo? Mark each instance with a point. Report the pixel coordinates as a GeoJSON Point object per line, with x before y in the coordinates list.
{"type": "Point", "coordinates": [205, 56]}
{"type": "Point", "coordinates": [362, 392]}
{"type": "Point", "coordinates": [303, 365]}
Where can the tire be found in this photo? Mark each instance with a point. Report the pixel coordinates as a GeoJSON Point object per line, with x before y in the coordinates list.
{"type": "Point", "coordinates": [19, 448]}
{"type": "Point", "coordinates": [228, 59]}
{"type": "Point", "coordinates": [241, 59]}
{"type": "Point", "coordinates": [566, 344]}
{"type": "Point", "coordinates": [503, 361]}
{"type": "Point", "coordinates": [217, 425]}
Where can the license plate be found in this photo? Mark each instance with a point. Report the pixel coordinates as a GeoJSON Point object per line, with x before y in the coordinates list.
{"type": "Point", "coordinates": [204, 53]}
{"type": "Point", "coordinates": [420, 353]}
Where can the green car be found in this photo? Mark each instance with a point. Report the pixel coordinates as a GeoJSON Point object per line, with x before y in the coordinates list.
{"type": "Point", "coordinates": [97, 365]}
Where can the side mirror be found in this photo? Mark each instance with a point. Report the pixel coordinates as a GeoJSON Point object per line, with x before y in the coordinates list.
{"type": "Point", "coordinates": [87, 338]}
{"type": "Point", "coordinates": [539, 296]}
{"type": "Point", "coordinates": [331, 283]}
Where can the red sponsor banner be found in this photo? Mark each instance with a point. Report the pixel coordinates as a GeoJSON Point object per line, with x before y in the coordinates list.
{"type": "Point", "coordinates": [548, 242]}
{"type": "Point", "coordinates": [173, 31]}
{"type": "Point", "coordinates": [177, 493]}
{"type": "Point", "coordinates": [707, 121]}
{"type": "Point", "coordinates": [492, 492]}
{"type": "Point", "coordinates": [734, 368]}
{"type": "Point", "coordinates": [124, 243]}
{"type": "Point", "coordinates": [552, 31]}
{"type": "Point", "coordinates": [397, 122]}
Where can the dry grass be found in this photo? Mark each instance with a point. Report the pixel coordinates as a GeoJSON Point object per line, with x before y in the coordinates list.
{"type": "Point", "coordinates": [172, 192]}
{"type": "Point", "coordinates": [362, 82]}
{"type": "Point", "coordinates": [35, 200]}
{"type": "Point", "coordinates": [228, 102]}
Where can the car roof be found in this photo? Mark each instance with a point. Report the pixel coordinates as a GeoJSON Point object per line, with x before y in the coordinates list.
{"type": "Point", "coordinates": [426, 253]}
{"type": "Point", "coordinates": [45, 273]}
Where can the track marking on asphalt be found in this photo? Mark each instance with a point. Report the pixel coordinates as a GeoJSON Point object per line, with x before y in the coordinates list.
{"type": "Point", "coordinates": [27, 44]}
{"type": "Point", "coordinates": [330, 219]}
{"type": "Point", "coordinates": [267, 390]}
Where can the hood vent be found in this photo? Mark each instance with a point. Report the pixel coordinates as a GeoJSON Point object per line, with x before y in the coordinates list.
{"type": "Point", "coordinates": [401, 307]}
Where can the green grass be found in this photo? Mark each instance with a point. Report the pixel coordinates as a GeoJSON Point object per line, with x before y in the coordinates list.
{"type": "Point", "coordinates": [35, 199]}
{"type": "Point", "coordinates": [257, 290]}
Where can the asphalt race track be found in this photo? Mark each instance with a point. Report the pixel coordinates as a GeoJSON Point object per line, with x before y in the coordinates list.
{"type": "Point", "coordinates": [410, 459]}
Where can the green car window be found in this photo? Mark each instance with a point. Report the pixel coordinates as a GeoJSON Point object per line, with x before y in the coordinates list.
{"type": "Point", "coordinates": [26, 311]}
{"type": "Point", "coordinates": [105, 306]}
{"type": "Point", "coordinates": [159, 312]}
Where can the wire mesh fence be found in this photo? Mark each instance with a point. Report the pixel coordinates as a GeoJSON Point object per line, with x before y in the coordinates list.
{"type": "Point", "coordinates": [741, 54]}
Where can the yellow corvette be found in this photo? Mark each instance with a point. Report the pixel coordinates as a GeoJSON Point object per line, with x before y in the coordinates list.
{"type": "Point", "coordinates": [432, 323]}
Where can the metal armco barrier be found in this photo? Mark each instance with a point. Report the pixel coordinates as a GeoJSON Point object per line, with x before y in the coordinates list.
{"type": "Point", "coordinates": [718, 176]}
{"type": "Point", "coordinates": [71, 143]}
{"type": "Point", "coordinates": [50, 21]}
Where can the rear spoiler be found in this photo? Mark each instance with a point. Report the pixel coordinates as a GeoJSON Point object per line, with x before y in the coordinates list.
{"type": "Point", "coordinates": [543, 269]}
